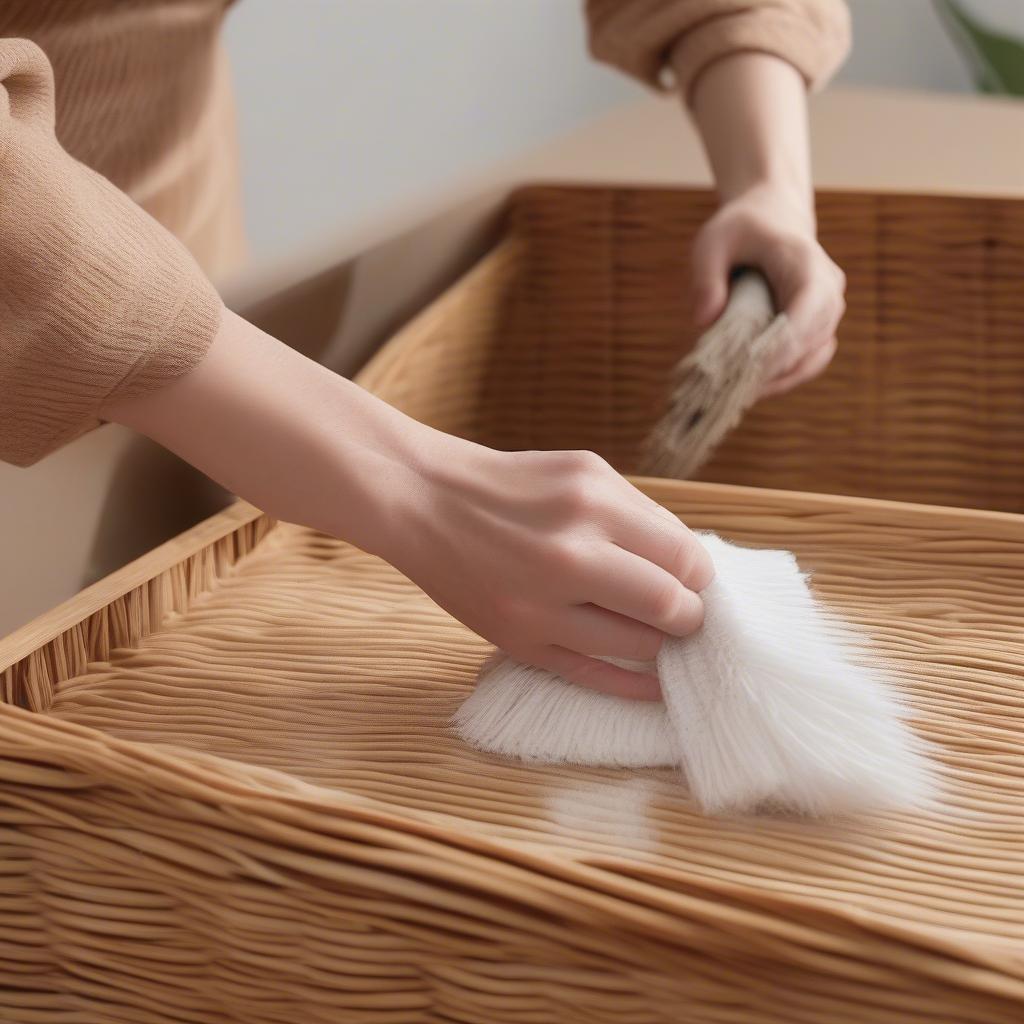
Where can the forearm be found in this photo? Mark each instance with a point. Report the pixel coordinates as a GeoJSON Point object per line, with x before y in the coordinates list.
{"type": "Point", "coordinates": [751, 112]}
{"type": "Point", "coordinates": [553, 556]}
{"type": "Point", "coordinates": [296, 439]}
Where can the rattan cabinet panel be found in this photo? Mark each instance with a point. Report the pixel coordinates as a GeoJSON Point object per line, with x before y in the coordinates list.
{"type": "Point", "coordinates": [566, 334]}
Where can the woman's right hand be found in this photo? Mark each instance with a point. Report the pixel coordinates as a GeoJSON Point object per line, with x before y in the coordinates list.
{"type": "Point", "coordinates": [554, 557]}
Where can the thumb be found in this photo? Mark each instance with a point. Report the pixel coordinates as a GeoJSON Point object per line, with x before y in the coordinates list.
{"type": "Point", "coordinates": [709, 278]}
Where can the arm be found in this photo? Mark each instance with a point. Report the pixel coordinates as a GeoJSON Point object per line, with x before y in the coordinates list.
{"type": "Point", "coordinates": [743, 68]}
{"type": "Point", "coordinates": [97, 298]}
{"type": "Point", "coordinates": [751, 111]}
{"type": "Point", "coordinates": [551, 555]}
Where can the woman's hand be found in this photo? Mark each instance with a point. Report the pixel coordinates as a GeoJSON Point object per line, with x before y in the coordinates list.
{"type": "Point", "coordinates": [552, 556]}
{"type": "Point", "coordinates": [751, 111]}
{"type": "Point", "coordinates": [768, 229]}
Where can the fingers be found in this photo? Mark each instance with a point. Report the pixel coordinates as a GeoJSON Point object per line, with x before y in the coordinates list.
{"type": "Point", "coordinates": [596, 631]}
{"type": "Point", "coordinates": [599, 675]}
{"type": "Point", "coordinates": [710, 276]}
{"type": "Point", "coordinates": [670, 545]}
{"type": "Point", "coordinates": [594, 569]}
{"type": "Point", "coordinates": [659, 536]}
{"type": "Point", "coordinates": [810, 366]}
{"type": "Point", "coordinates": [653, 569]}
{"type": "Point", "coordinates": [761, 229]}
{"type": "Point", "coordinates": [632, 520]}
{"type": "Point", "coordinates": [623, 582]}
{"type": "Point", "coordinates": [814, 311]}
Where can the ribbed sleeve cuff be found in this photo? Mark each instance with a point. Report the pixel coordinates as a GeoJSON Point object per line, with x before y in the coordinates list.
{"type": "Point", "coordinates": [814, 38]}
{"type": "Point", "coordinates": [668, 43]}
{"type": "Point", "coordinates": [99, 301]}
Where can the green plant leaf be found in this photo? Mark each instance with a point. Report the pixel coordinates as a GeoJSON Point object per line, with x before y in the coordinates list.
{"type": "Point", "coordinates": [996, 59]}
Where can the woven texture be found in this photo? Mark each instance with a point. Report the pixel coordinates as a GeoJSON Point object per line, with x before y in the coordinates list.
{"type": "Point", "coordinates": [565, 336]}
{"type": "Point", "coordinates": [259, 813]}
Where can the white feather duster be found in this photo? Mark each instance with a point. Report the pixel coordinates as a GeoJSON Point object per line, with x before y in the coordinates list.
{"type": "Point", "coordinates": [773, 703]}
{"type": "Point", "coordinates": [529, 713]}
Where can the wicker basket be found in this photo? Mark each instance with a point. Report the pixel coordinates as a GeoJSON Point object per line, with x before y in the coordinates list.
{"type": "Point", "coordinates": [228, 792]}
{"type": "Point", "coordinates": [564, 336]}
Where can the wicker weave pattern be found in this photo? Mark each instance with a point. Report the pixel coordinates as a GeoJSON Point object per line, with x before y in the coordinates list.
{"type": "Point", "coordinates": [258, 813]}
{"type": "Point", "coordinates": [229, 791]}
{"type": "Point", "coordinates": [564, 337]}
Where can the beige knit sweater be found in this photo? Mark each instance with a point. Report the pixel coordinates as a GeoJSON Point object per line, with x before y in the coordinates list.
{"type": "Point", "coordinates": [119, 189]}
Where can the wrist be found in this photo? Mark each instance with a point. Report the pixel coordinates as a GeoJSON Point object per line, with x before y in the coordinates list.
{"type": "Point", "coordinates": [786, 201]}
{"type": "Point", "coordinates": [373, 455]}
{"type": "Point", "coordinates": [393, 479]}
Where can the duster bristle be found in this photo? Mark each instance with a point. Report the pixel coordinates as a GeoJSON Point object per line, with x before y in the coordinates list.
{"type": "Point", "coordinates": [775, 701]}
{"type": "Point", "coordinates": [531, 714]}
{"type": "Point", "coordinates": [773, 704]}
{"type": "Point", "coordinates": [718, 381]}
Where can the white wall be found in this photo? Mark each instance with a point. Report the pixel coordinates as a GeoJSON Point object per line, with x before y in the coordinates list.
{"type": "Point", "coordinates": [902, 43]}
{"type": "Point", "coordinates": [347, 106]}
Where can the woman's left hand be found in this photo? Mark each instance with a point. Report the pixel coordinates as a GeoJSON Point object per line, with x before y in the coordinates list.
{"type": "Point", "coordinates": [774, 232]}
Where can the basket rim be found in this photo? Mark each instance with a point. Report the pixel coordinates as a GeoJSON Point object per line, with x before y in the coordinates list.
{"type": "Point", "coordinates": [45, 627]}
{"type": "Point", "coordinates": [48, 625]}
{"type": "Point", "coordinates": [264, 801]}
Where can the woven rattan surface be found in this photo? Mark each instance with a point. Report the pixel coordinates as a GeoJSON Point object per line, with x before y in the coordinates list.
{"type": "Point", "coordinates": [258, 812]}
{"type": "Point", "coordinates": [565, 336]}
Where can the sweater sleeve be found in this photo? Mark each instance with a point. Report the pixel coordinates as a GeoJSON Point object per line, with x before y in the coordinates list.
{"type": "Point", "coordinates": [643, 37]}
{"type": "Point", "coordinates": [97, 300]}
